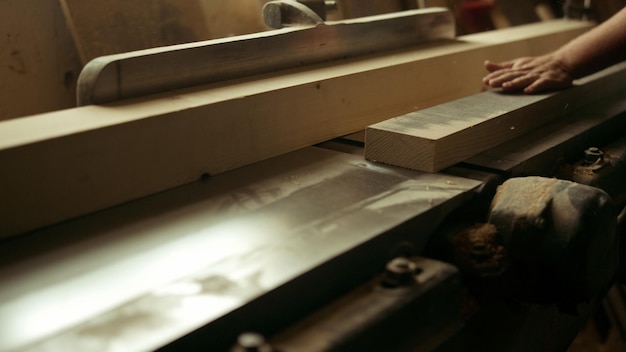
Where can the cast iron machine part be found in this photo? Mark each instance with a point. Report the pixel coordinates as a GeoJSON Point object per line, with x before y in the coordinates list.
{"type": "Point", "coordinates": [559, 237]}
{"type": "Point", "coordinates": [549, 248]}
{"type": "Point", "coordinates": [394, 311]}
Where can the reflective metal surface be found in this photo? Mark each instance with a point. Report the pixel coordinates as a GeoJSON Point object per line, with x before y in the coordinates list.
{"type": "Point", "coordinates": [224, 252]}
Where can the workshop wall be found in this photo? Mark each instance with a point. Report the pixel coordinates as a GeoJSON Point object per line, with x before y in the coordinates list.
{"type": "Point", "coordinates": [113, 26]}
{"type": "Point", "coordinates": [47, 42]}
{"type": "Point", "coordinates": [38, 62]}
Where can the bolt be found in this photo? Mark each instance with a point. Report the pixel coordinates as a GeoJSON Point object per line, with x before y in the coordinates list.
{"type": "Point", "coordinates": [593, 155]}
{"type": "Point", "coordinates": [251, 342]}
{"type": "Point", "coordinates": [399, 272]}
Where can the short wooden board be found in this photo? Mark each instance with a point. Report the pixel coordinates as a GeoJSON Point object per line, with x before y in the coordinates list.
{"type": "Point", "coordinates": [440, 136]}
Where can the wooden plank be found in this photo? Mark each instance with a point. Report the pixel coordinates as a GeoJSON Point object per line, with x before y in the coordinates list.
{"type": "Point", "coordinates": [543, 152]}
{"type": "Point", "coordinates": [134, 74]}
{"type": "Point", "coordinates": [64, 164]}
{"type": "Point", "coordinates": [437, 137]}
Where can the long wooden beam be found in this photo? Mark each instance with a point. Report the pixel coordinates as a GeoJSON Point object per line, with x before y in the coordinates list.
{"type": "Point", "coordinates": [440, 136]}
{"type": "Point", "coordinates": [128, 75]}
{"type": "Point", "coordinates": [67, 163]}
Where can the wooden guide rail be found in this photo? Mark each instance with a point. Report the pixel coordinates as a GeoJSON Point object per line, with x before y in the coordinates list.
{"type": "Point", "coordinates": [63, 164]}
{"type": "Point", "coordinates": [138, 73]}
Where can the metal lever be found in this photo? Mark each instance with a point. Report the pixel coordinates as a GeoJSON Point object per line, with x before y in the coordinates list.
{"type": "Point", "coordinates": [289, 13]}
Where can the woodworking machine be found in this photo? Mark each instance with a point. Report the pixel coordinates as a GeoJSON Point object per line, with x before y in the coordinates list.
{"type": "Point", "coordinates": [315, 248]}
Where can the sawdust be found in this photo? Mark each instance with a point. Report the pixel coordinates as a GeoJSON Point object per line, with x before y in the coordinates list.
{"type": "Point", "coordinates": [477, 250]}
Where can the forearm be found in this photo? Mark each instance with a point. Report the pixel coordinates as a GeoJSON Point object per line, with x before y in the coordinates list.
{"type": "Point", "coordinates": [599, 48]}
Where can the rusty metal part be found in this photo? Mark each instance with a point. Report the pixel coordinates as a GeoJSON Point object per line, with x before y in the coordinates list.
{"type": "Point", "coordinates": [559, 258]}
{"type": "Point", "coordinates": [560, 237]}
{"type": "Point", "coordinates": [290, 13]}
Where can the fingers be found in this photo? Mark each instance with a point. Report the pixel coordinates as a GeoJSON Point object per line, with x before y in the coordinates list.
{"type": "Point", "coordinates": [530, 74]}
{"type": "Point", "coordinates": [512, 80]}
{"type": "Point", "coordinates": [530, 83]}
{"type": "Point", "coordinates": [543, 84]}
{"type": "Point", "coordinates": [502, 72]}
{"type": "Point", "coordinates": [519, 83]}
{"type": "Point", "coordinates": [493, 66]}
{"type": "Point", "coordinates": [502, 78]}
{"type": "Point", "coordinates": [535, 87]}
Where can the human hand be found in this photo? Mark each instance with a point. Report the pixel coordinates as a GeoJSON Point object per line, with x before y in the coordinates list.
{"type": "Point", "coordinates": [530, 74]}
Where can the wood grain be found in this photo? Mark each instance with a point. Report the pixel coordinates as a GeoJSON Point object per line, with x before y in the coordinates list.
{"type": "Point", "coordinates": [138, 73]}
{"type": "Point", "coordinates": [437, 137]}
{"type": "Point", "coordinates": [63, 164]}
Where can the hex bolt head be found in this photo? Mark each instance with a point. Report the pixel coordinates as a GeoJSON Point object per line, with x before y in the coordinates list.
{"type": "Point", "coordinates": [251, 342]}
{"type": "Point", "coordinates": [593, 155]}
{"type": "Point", "coordinates": [400, 272]}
